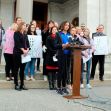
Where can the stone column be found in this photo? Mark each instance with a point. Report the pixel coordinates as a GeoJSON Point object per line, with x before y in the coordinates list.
{"type": "Point", "coordinates": [7, 12]}
{"type": "Point", "coordinates": [93, 13]}
{"type": "Point", "coordinates": [7, 16]}
{"type": "Point", "coordinates": [24, 9]}
{"type": "Point", "coordinates": [89, 13]}
{"type": "Point", "coordinates": [108, 21]}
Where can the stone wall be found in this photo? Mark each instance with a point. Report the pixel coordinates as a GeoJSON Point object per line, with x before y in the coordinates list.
{"type": "Point", "coordinates": [66, 11]}
{"type": "Point", "coordinates": [71, 9]}
{"type": "Point", "coordinates": [55, 12]}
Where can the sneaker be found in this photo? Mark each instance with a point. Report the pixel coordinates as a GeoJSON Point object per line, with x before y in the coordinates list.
{"type": "Point", "coordinates": [45, 78]}
{"type": "Point", "coordinates": [69, 87]}
{"type": "Point", "coordinates": [27, 78]}
{"type": "Point", "coordinates": [8, 79]}
{"type": "Point", "coordinates": [59, 91]}
{"type": "Point", "coordinates": [65, 90]}
{"type": "Point", "coordinates": [12, 78]}
{"type": "Point", "coordinates": [82, 86]}
{"type": "Point", "coordinates": [32, 78]}
{"type": "Point", "coordinates": [88, 86]}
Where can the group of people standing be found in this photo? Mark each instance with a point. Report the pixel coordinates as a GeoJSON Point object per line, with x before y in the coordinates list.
{"type": "Point", "coordinates": [16, 44]}
{"type": "Point", "coordinates": [57, 59]}
{"type": "Point", "coordinates": [57, 56]}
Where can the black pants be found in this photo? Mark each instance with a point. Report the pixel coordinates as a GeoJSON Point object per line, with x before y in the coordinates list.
{"type": "Point", "coordinates": [45, 72]}
{"type": "Point", "coordinates": [63, 76]}
{"type": "Point", "coordinates": [18, 68]}
{"type": "Point", "coordinates": [38, 63]}
{"type": "Point", "coordinates": [9, 64]}
{"type": "Point", "coordinates": [67, 68]}
{"type": "Point", "coordinates": [95, 60]}
{"type": "Point", "coordinates": [52, 79]}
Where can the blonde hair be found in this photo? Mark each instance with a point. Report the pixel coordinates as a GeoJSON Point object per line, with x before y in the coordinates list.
{"type": "Point", "coordinates": [78, 30]}
{"type": "Point", "coordinates": [20, 26]}
{"type": "Point", "coordinates": [88, 31]}
{"type": "Point", "coordinates": [14, 26]}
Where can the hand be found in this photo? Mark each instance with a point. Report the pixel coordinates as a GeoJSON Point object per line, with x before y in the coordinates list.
{"type": "Point", "coordinates": [44, 48]}
{"type": "Point", "coordinates": [68, 45]}
{"type": "Point", "coordinates": [85, 55]}
{"type": "Point", "coordinates": [93, 49]}
{"type": "Point", "coordinates": [25, 52]}
{"type": "Point", "coordinates": [64, 46]}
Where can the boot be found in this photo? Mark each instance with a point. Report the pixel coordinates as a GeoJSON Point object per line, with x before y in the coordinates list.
{"type": "Point", "coordinates": [54, 81]}
{"type": "Point", "coordinates": [50, 81]}
{"type": "Point", "coordinates": [54, 84]}
{"type": "Point", "coordinates": [50, 86]}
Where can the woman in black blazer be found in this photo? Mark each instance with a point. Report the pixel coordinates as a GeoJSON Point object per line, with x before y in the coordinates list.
{"type": "Point", "coordinates": [21, 46]}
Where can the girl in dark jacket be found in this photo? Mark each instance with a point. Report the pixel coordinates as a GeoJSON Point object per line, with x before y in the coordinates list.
{"type": "Point", "coordinates": [21, 46]}
{"type": "Point", "coordinates": [45, 33]}
{"type": "Point", "coordinates": [53, 44]}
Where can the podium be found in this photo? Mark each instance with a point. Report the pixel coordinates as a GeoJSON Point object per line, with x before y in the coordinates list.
{"type": "Point", "coordinates": [76, 71]}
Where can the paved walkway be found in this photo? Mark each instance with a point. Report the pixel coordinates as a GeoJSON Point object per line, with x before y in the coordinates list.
{"type": "Point", "coordinates": [45, 100]}
{"type": "Point", "coordinates": [99, 98]}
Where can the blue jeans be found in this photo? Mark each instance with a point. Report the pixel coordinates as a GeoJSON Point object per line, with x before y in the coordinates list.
{"type": "Point", "coordinates": [30, 66]}
{"type": "Point", "coordinates": [88, 67]}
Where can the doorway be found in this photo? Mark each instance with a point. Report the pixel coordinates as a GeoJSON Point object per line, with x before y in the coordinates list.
{"type": "Point", "coordinates": [40, 11]}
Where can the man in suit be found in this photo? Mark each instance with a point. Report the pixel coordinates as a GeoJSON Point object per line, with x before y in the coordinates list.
{"type": "Point", "coordinates": [98, 58]}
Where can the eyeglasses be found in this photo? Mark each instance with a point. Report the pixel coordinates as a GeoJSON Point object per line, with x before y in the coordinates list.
{"type": "Point", "coordinates": [82, 26]}
{"type": "Point", "coordinates": [100, 28]}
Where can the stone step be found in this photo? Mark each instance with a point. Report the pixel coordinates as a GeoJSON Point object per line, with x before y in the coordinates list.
{"type": "Point", "coordinates": [107, 75]}
{"type": "Point", "coordinates": [38, 84]}
{"type": "Point", "coordinates": [98, 83]}
{"type": "Point", "coordinates": [37, 76]}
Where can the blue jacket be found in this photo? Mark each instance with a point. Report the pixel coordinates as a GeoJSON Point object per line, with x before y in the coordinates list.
{"type": "Point", "coordinates": [65, 40]}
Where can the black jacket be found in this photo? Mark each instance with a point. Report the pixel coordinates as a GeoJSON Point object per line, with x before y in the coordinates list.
{"type": "Point", "coordinates": [54, 46]}
{"type": "Point", "coordinates": [97, 34]}
{"type": "Point", "coordinates": [20, 41]}
{"type": "Point", "coordinates": [44, 36]}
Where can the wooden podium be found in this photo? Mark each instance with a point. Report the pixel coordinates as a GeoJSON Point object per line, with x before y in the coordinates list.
{"type": "Point", "coordinates": [76, 71]}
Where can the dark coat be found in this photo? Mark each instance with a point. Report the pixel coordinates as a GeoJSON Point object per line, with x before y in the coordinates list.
{"type": "Point", "coordinates": [54, 46]}
{"type": "Point", "coordinates": [97, 34]}
{"type": "Point", "coordinates": [44, 38]}
{"type": "Point", "coordinates": [20, 41]}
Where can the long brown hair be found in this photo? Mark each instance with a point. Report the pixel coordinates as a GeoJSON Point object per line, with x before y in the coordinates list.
{"type": "Point", "coordinates": [20, 26]}
{"type": "Point", "coordinates": [29, 30]}
{"type": "Point", "coordinates": [63, 25]}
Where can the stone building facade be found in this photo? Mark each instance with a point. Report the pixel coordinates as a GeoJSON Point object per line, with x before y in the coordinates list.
{"type": "Point", "coordinates": [90, 12]}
